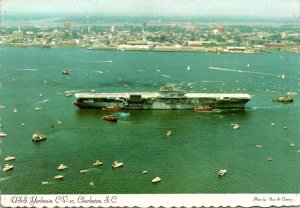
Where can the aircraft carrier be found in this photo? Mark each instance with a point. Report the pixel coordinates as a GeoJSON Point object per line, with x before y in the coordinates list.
{"type": "Point", "coordinates": [169, 97]}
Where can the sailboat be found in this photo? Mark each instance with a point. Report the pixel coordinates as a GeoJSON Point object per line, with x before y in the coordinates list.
{"type": "Point", "coordinates": [188, 67]}
{"type": "Point", "coordinates": [282, 76]}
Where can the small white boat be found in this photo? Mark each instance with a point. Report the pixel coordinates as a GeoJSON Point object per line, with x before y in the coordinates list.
{"type": "Point", "coordinates": [8, 167]}
{"type": "Point", "coordinates": [156, 180]}
{"type": "Point", "coordinates": [38, 137]}
{"type": "Point", "coordinates": [97, 163]}
{"type": "Point", "coordinates": [236, 126]}
{"type": "Point", "coordinates": [92, 183]}
{"type": "Point", "coordinates": [222, 172]}
{"type": "Point", "coordinates": [8, 158]}
{"type": "Point", "coordinates": [117, 164]}
{"type": "Point", "coordinates": [169, 133]}
{"type": "Point", "coordinates": [59, 177]}
{"type": "Point", "coordinates": [62, 167]}
{"type": "Point", "coordinates": [273, 124]}
{"type": "Point", "coordinates": [37, 109]}
{"type": "Point", "coordinates": [2, 134]}
{"type": "Point", "coordinates": [258, 145]}
{"type": "Point", "coordinates": [83, 171]}
{"type": "Point", "coordinates": [45, 182]}
{"type": "Point", "coordinates": [188, 68]}
{"type": "Point", "coordinates": [144, 172]}
{"type": "Point", "coordinates": [15, 110]}
{"type": "Point", "coordinates": [65, 71]}
{"type": "Point", "coordinates": [292, 145]}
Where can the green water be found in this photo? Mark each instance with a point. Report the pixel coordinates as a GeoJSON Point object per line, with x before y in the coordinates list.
{"type": "Point", "coordinates": [187, 162]}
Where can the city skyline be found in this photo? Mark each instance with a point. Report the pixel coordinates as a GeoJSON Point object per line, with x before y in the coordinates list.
{"type": "Point", "coordinates": [227, 8]}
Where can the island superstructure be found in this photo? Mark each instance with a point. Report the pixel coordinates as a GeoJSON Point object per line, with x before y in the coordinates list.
{"type": "Point", "coordinates": [169, 97]}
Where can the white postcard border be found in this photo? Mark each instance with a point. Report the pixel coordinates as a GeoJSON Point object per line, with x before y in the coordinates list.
{"type": "Point", "coordinates": [153, 200]}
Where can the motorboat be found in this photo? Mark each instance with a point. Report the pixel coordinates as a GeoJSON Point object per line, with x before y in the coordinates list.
{"type": "Point", "coordinates": [144, 172]}
{"type": "Point", "coordinates": [38, 137]}
{"type": "Point", "coordinates": [222, 172]}
{"type": "Point", "coordinates": [8, 158]}
{"type": "Point", "coordinates": [97, 163]}
{"type": "Point", "coordinates": [156, 180]}
{"type": "Point", "coordinates": [83, 171]}
{"type": "Point", "coordinates": [59, 177]}
{"type": "Point", "coordinates": [37, 109]}
{"type": "Point", "coordinates": [117, 164]}
{"type": "Point", "coordinates": [62, 167]}
{"type": "Point", "coordinates": [203, 108]}
{"type": "Point", "coordinates": [236, 126]}
{"type": "Point", "coordinates": [65, 71]}
{"type": "Point", "coordinates": [110, 118]}
{"type": "Point", "coordinates": [112, 108]}
{"type": "Point", "coordinates": [2, 134]}
{"type": "Point", "coordinates": [7, 167]}
{"type": "Point", "coordinates": [169, 133]}
{"type": "Point", "coordinates": [284, 99]}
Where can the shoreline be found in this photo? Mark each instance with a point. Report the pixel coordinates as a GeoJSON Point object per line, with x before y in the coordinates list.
{"type": "Point", "coordinates": [145, 48]}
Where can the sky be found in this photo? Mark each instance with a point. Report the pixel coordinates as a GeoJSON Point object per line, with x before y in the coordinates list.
{"type": "Point", "coordinates": [227, 8]}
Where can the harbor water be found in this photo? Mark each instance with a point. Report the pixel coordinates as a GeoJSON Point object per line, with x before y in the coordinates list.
{"type": "Point", "coordinates": [32, 98]}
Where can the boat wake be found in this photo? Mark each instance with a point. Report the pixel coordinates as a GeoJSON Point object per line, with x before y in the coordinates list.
{"type": "Point", "coordinates": [241, 71]}
{"type": "Point", "coordinates": [123, 114]}
{"type": "Point", "coordinates": [104, 61]}
{"type": "Point", "coordinates": [5, 178]}
{"type": "Point", "coordinates": [204, 81]}
{"type": "Point", "coordinates": [164, 75]}
{"type": "Point", "coordinates": [265, 107]}
{"type": "Point", "coordinates": [42, 101]}
{"type": "Point", "coordinates": [26, 69]}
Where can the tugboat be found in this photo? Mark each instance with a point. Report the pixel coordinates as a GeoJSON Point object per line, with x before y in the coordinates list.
{"type": "Point", "coordinates": [284, 99]}
{"type": "Point", "coordinates": [110, 118]}
{"type": "Point", "coordinates": [203, 108]}
{"type": "Point", "coordinates": [112, 108]}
